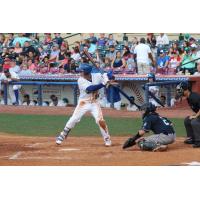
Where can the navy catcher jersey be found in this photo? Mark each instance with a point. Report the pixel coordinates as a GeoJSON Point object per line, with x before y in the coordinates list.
{"type": "Point", "coordinates": [157, 124]}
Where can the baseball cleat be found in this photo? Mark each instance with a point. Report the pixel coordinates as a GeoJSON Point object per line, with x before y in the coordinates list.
{"type": "Point", "coordinates": [189, 141]}
{"type": "Point", "coordinates": [160, 148]}
{"type": "Point", "coordinates": [60, 138]}
{"type": "Point", "coordinates": [107, 142]}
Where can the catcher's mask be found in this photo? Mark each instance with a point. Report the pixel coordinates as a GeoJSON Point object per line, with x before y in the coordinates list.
{"type": "Point", "coordinates": [180, 88]}
{"type": "Point", "coordinates": [147, 108]}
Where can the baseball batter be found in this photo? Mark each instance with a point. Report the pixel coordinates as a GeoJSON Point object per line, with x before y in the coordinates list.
{"type": "Point", "coordinates": [89, 83]}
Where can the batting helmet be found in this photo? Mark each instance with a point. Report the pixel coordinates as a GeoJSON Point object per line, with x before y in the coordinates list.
{"type": "Point", "coordinates": [84, 67]}
{"type": "Point", "coordinates": [151, 75]}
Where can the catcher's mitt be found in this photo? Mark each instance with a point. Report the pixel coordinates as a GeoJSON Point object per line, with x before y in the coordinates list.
{"type": "Point", "coordinates": [129, 143]}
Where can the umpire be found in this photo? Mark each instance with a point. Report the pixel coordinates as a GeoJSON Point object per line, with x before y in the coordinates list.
{"type": "Point", "coordinates": [192, 123]}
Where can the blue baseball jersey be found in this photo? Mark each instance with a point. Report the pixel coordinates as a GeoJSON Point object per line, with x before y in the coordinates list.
{"type": "Point", "coordinates": [157, 124]}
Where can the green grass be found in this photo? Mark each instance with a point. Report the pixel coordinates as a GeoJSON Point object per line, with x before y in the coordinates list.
{"type": "Point", "coordinates": [45, 125]}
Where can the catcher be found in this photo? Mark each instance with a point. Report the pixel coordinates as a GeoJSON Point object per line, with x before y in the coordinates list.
{"type": "Point", "coordinates": [162, 128]}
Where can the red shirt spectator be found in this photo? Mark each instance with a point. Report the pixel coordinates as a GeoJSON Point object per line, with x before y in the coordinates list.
{"type": "Point", "coordinates": [6, 64]}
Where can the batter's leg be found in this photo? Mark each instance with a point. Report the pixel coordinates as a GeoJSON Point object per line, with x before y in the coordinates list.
{"type": "Point", "coordinates": [79, 111]}
{"type": "Point", "coordinates": [97, 114]}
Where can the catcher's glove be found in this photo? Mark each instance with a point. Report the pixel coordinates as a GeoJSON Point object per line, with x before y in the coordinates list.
{"type": "Point", "coordinates": [129, 143]}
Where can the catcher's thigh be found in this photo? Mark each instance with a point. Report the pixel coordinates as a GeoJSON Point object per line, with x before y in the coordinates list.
{"type": "Point", "coordinates": [161, 139]}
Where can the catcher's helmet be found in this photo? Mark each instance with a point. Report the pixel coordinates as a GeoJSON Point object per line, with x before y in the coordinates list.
{"type": "Point", "coordinates": [84, 67]}
{"type": "Point", "coordinates": [151, 75]}
{"type": "Point", "coordinates": [148, 107]}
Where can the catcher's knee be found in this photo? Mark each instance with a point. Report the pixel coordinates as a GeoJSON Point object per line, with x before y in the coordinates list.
{"type": "Point", "coordinates": [147, 145]}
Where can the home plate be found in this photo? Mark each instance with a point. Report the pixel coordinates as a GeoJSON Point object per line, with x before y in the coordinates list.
{"type": "Point", "coordinates": [194, 163]}
{"type": "Point", "coordinates": [69, 149]}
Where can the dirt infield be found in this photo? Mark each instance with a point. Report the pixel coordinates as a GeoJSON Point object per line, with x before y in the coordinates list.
{"type": "Point", "coordinates": [81, 151]}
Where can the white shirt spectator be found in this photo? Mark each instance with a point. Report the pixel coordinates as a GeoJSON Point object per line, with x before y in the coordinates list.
{"type": "Point", "coordinates": [76, 56]}
{"type": "Point", "coordinates": [142, 51]}
{"type": "Point", "coordinates": [15, 69]}
{"type": "Point", "coordinates": [26, 72]}
{"type": "Point", "coordinates": [162, 40]}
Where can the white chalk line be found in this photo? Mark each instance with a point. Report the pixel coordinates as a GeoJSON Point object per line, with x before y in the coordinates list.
{"type": "Point", "coordinates": [33, 145]}
{"type": "Point", "coordinates": [44, 158]}
{"type": "Point", "coordinates": [69, 149]}
{"type": "Point", "coordinates": [15, 156]}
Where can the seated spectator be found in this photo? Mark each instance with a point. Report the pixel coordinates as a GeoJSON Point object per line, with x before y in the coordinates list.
{"type": "Point", "coordinates": [102, 40]}
{"type": "Point", "coordinates": [118, 62]}
{"type": "Point", "coordinates": [42, 54]}
{"type": "Point", "coordinates": [21, 39]}
{"type": "Point", "coordinates": [189, 68]}
{"type": "Point", "coordinates": [126, 53]}
{"type": "Point", "coordinates": [162, 63]}
{"type": "Point", "coordinates": [5, 53]}
{"type": "Point", "coordinates": [107, 63]}
{"type": "Point", "coordinates": [27, 102]}
{"type": "Point", "coordinates": [54, 53]}
{"type": "Point", "coordinates": [2, 39]}
{"type": "Point", "coordinates": [25, 71]}
{"type": "Point", "coordinates": [18, 48]}
{"type": "Point", "coordinates": [47, 38]}
{"type": "Point", "coordinates": [71, 67]}
{"type": "Point", "coordinates": [58, 39]}
{"type": "Point", "coordinates": [6, 64]}
{"type": "Point", "coordinates": [53, 68]}
{"type": "Point", "coordinates": [111, 40]}
{"type": "Point", "coordinates": [75, 54]}
{"type": "Point", "coordinates": [174, 63]}
{"type": "Point", "coordinates": [56, 102]}
{"type": "Point", "coordinates": [92, 38]}
{"type": "Point", "coordinates": [131, 65]}
{"type": "Point", "coordinates": [151, 40]}
{"type": "Point", "coordinates": [111, 54]}
{"type": "Point", "coordinates": [14, 67]}
{"type": "Point", "coordinates": [28, 48]}
{"type": "Point", "coordinates": [31, 66]}
{"type": "Point", "coordinates": [8, 42]}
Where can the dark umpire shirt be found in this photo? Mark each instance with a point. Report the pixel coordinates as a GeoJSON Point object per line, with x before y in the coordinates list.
{"type": "Point", "coordinates": [157, 124]}
{"type": "Point", "coordinates": [194, 101]}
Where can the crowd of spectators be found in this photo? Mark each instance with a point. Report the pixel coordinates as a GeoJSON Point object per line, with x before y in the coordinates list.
{"type": "Point", "coordinates": [29, 54]}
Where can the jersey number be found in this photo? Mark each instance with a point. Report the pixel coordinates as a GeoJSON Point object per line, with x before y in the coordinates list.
{"type": "Point", "coordinates": [165, 121]}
